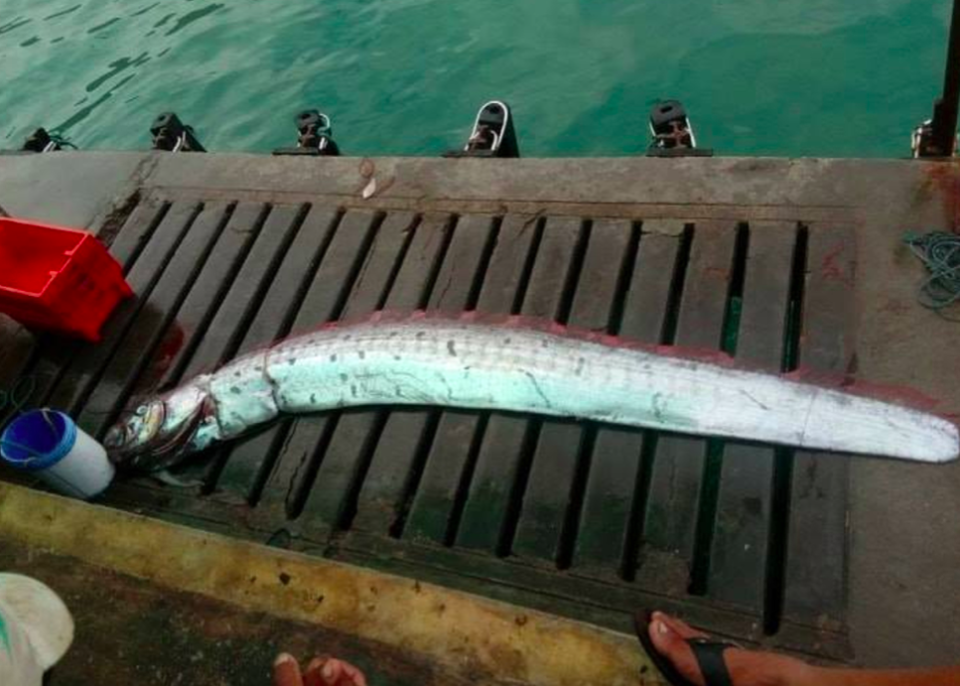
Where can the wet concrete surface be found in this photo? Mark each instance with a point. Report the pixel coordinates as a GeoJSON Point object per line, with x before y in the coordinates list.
{"type": "Point", "coordinates": [74, 190]}
{"type": "Point", "coordinates": [904, 586]}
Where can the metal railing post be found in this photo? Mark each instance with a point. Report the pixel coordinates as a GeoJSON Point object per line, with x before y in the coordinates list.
{"type": "Point", "coordinates": [945, 108]}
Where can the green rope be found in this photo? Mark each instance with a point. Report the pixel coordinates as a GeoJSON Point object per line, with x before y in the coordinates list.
{"type": "Point", "coordinates": [18, 396]}
{"type": "Point", "coordinates": [940, 254]}
{"type": "Point", "coordinates": [62, 141]}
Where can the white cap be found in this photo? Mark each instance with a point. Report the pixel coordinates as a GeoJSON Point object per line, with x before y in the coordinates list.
{"type": "Point", "coordinates": [36, 628]}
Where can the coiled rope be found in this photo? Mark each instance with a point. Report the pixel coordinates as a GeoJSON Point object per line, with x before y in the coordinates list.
{"type": "Point", "coordinates": [940, 254]}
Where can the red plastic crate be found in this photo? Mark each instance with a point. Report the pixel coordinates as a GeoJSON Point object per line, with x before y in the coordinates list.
{"type": "Point", "coordinates": [57, 279]}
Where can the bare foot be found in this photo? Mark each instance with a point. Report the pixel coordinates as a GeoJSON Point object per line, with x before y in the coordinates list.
{"type": "Point", "coordinates": [322, 671]}
{"type": "Point", "coordinates": [746, 667]}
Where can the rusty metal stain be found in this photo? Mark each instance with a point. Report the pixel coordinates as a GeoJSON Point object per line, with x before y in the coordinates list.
{"type": "Point", "coordinates": [944, 178]}
{"type": "Point", "coordinates": [834, 268]}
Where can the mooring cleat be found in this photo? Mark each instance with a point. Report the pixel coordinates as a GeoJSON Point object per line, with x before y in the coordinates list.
{"type": "Point", "coordinates": [314, 136]}
{"type": "Point", "coordinates": [672, 133]}
{"type": "Point", "coordinates": [492, 135]}
{"type": "Point", "coordinates": [172, 135]}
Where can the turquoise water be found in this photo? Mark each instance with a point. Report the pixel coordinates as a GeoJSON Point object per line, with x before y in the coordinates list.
{"type": "Point", "coordinates": [778, 77]}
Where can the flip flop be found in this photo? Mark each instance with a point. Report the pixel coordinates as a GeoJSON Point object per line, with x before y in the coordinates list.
{"type": "Point", "coordinates": [707, 651]}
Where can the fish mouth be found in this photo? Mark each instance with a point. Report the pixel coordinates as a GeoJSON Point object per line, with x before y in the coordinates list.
{"type": "Point", "coordinates": [135, 431]}
{"type": "Point", "coordinates": [163, 448]}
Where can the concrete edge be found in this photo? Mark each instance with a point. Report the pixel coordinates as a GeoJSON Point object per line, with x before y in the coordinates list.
{"type": "Point", "coordinates": [116, 207]}
{"type": "Point", "coordinates": [461, 632]}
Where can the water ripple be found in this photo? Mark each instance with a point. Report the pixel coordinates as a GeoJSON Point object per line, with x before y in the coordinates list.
{"type": "Point", "coordinates": [116, 67]}
{"type": "Point", "coordinates": [191, 17]}
{"type": "Point", "coordinates": [14, 24]}
{"type": "Point", "coordinates": [63, 12]}
{"type": "Point", "coordinates": [82, 114]}
{"type": "Point", "coordinates": [100, 27]}
{"type": "Point", "coordinates": [144, 10]}
{"type": "Point", "coordinates": [164, 20]}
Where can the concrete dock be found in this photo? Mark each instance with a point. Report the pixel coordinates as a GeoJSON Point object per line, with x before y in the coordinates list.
{"type": "Point", "coordinates": [785, 264]}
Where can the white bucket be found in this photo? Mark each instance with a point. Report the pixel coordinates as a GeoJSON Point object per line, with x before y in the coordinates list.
{"type": "Point", "coordinates": [50, 444]}
{"type": "Point", "coordinates": [36, 630]}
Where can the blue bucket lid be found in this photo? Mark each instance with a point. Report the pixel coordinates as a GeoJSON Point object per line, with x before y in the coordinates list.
{"type": "Point", "coordinates": [37, 439]}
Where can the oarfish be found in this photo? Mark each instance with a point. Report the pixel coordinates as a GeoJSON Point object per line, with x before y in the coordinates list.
{"type": "Point", "coordinates": [469, 363]}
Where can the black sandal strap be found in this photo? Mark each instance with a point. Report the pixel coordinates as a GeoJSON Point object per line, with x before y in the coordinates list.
{"type": "Point", "coordinates": [709, 654]}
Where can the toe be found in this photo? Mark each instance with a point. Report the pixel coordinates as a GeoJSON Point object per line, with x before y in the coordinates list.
{"type": "Point", "coordinates": [334, 673]}
{"type": "Point", "coordinates": [355, 676]}
{"type": "Point", "coordinates": [669, 638]}
{"type": "Point", "coordinates": [679, 626]}
{"type": "Point", "coordinates": [328, 671]}
{"type": "Point", "coordinates": [312, 675]}
{"type": "Point", "coordinates": [286, 671]}
{"type": "Point", "coordinates": [331, 672]}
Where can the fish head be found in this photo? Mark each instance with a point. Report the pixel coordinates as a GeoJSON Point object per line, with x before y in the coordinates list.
{"type": "Point", "coordinates": [158, 432]}
{"type": "Point", "coordinates": [136, 432]}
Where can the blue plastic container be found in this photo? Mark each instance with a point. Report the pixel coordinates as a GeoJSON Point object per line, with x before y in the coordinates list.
{"type": "Point", "coordinates": [49, 444]}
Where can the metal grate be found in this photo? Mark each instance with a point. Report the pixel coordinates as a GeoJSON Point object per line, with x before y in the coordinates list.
{"type": "Point", "coordinates": [584, 519]}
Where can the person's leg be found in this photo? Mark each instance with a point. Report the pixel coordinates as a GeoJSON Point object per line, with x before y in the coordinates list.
{"type": "Point", "coordinates": [755, 668]}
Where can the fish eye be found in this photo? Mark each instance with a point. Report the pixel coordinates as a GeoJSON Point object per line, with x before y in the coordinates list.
{"type": "Point", "coordinates": [142, 410]}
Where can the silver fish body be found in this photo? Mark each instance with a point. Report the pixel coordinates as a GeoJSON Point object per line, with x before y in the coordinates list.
{"type": "Point", "coordinates": [461, 363]}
